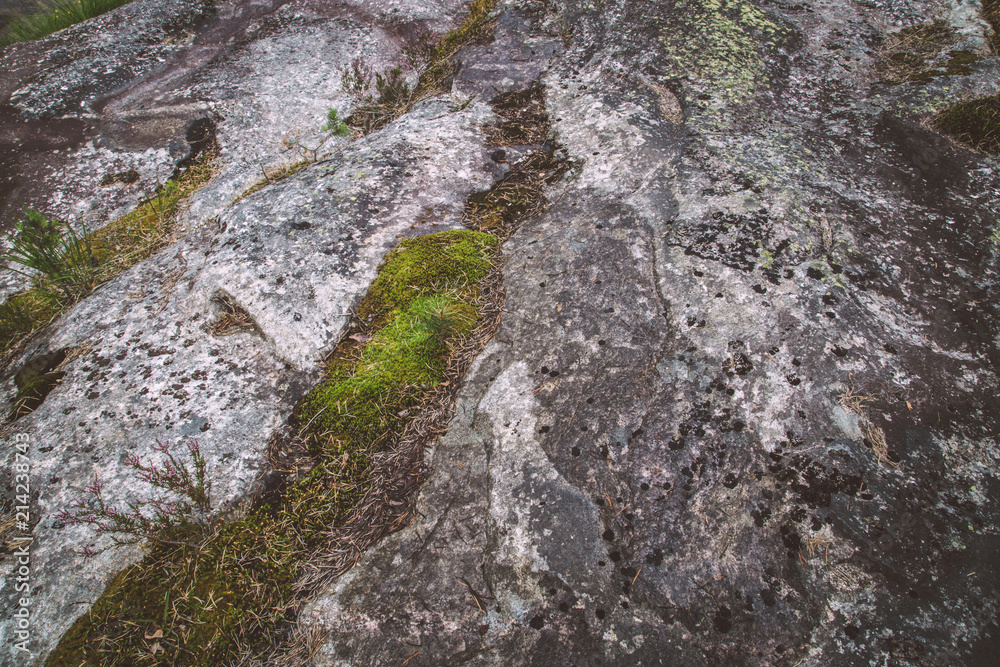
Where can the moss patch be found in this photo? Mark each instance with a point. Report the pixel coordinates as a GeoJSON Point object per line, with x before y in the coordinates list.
{"type": "Point", "coordinates": [117, 246]}
{"type": "Point", "coordinates": [975, 123]}
{"type": "Point", "coordinates": [421, 297]}
{"type": "Point", "coordinates": [921, 53]}
{"type": "Point", "coordinates": [229, 596]}
{"type": "Point", "coordinates": [991, 14]}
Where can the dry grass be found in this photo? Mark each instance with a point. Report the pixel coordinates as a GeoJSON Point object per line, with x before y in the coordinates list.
{"type": "Point", "coordinates": [815, 543]}
{"type": "Point", "coordinates": [874, 436]}
{"type": "Point", "coordinates": [854, 402]}
{"type": "Point", "coordinates": [230, 317]}
{"type": "Point", "coordinates": [396, 98]}
{"type": "Point", "coordinates": [904, 54]}
{"type": "Point", "coordinates": [274, 176]}
{"type": "Point", "coordinates": [518, 196]}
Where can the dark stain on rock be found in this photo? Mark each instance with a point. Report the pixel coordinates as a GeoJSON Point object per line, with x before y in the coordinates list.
{"type": "Point", "coordinates": [35, 380]}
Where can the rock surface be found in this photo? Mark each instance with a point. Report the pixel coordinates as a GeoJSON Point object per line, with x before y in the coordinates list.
{"type": "Point", "coordinates": [763, 268]}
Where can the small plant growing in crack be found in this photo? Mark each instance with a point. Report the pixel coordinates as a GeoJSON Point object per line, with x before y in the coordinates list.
{"type": "Point", "coordinates": [335, 125]}
{"type": "Point", "coordinates": [158, 520]}
{"type": "Point", "coordinates": [61, 258]}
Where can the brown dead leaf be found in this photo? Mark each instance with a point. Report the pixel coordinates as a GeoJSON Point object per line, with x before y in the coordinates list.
{"type": "Point", "coordinates": [155, 635]}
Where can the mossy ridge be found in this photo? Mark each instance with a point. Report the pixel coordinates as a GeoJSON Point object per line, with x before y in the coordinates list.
{"type": "Point", "coordinates": [975, 123]}
{"type": "Point", "coordinates": [427, 284]}
{"type": "Point", "coordinates": [208, 601]}
{"type": "Point", "coordinates": [398, 99]}
{"type": "Point", "coordinates": [117, 246]}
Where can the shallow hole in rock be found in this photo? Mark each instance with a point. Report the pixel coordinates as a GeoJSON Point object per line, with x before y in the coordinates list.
{"type": "Point", "coordinates": [230, 316]}
{"type": "Point", "coordinates": [36, 379]}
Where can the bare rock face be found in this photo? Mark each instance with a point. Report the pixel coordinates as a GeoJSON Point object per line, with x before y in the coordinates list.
{"type": "Point", "coordinates": [741, 407]}
{"type": "Point", "coordinates": [664, 457]}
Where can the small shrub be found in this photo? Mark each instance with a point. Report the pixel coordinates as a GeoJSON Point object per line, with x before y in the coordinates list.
{"type": "Point", "coordinates": [357, 79]}
{"type": "Point", "coordinates": [154, 519]}
{"type": "Point", "coordinates": [420, 47]}
{"type": "Point", "coordinates": [391, 98]}
{"type": "Point", "coordinates": [334, 124]}
{"type": "Point", "coordinates": [69, 266]}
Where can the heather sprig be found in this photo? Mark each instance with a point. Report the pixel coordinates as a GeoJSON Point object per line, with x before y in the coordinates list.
{"type": "Point", "coordinates": [149, 520]}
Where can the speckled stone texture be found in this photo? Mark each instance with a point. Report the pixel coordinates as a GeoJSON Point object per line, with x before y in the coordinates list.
{"type": "Point", "coordinates": [650, 465]}
{"type": "Point", "coordinates": [762, 264]}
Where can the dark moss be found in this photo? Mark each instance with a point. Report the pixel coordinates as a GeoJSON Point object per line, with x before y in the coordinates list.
{"type": "Point", "coordinates": [975, 123]}
{"type": "Point", "coordinates": [921, 53]}
{"type": "Point", "coordinates": [991, 14]}
{"type": "Point", "coordinates": [516, 196]}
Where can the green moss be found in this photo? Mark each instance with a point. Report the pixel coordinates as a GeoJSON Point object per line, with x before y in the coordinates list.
{"type": "Point", "coordinates": [420, 299]}
{"type": "Point", "coordinates": [216, 601]}
{"type": "Point", "coordinates": [452, 261]}
{"type": "Point", "coordinates": [975, 123]}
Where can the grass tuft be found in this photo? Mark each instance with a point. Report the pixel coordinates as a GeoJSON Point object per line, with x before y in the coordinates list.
{"type": "Point", "coordinates": [51, 16]}
{"type": "Point", "coordinates": [99, 256]}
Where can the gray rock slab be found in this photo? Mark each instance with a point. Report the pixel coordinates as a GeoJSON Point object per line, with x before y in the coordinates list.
{"type": "Point", "coordinates": [651, 463]}
{"type": "Point", "coordinates": [297, 257]}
